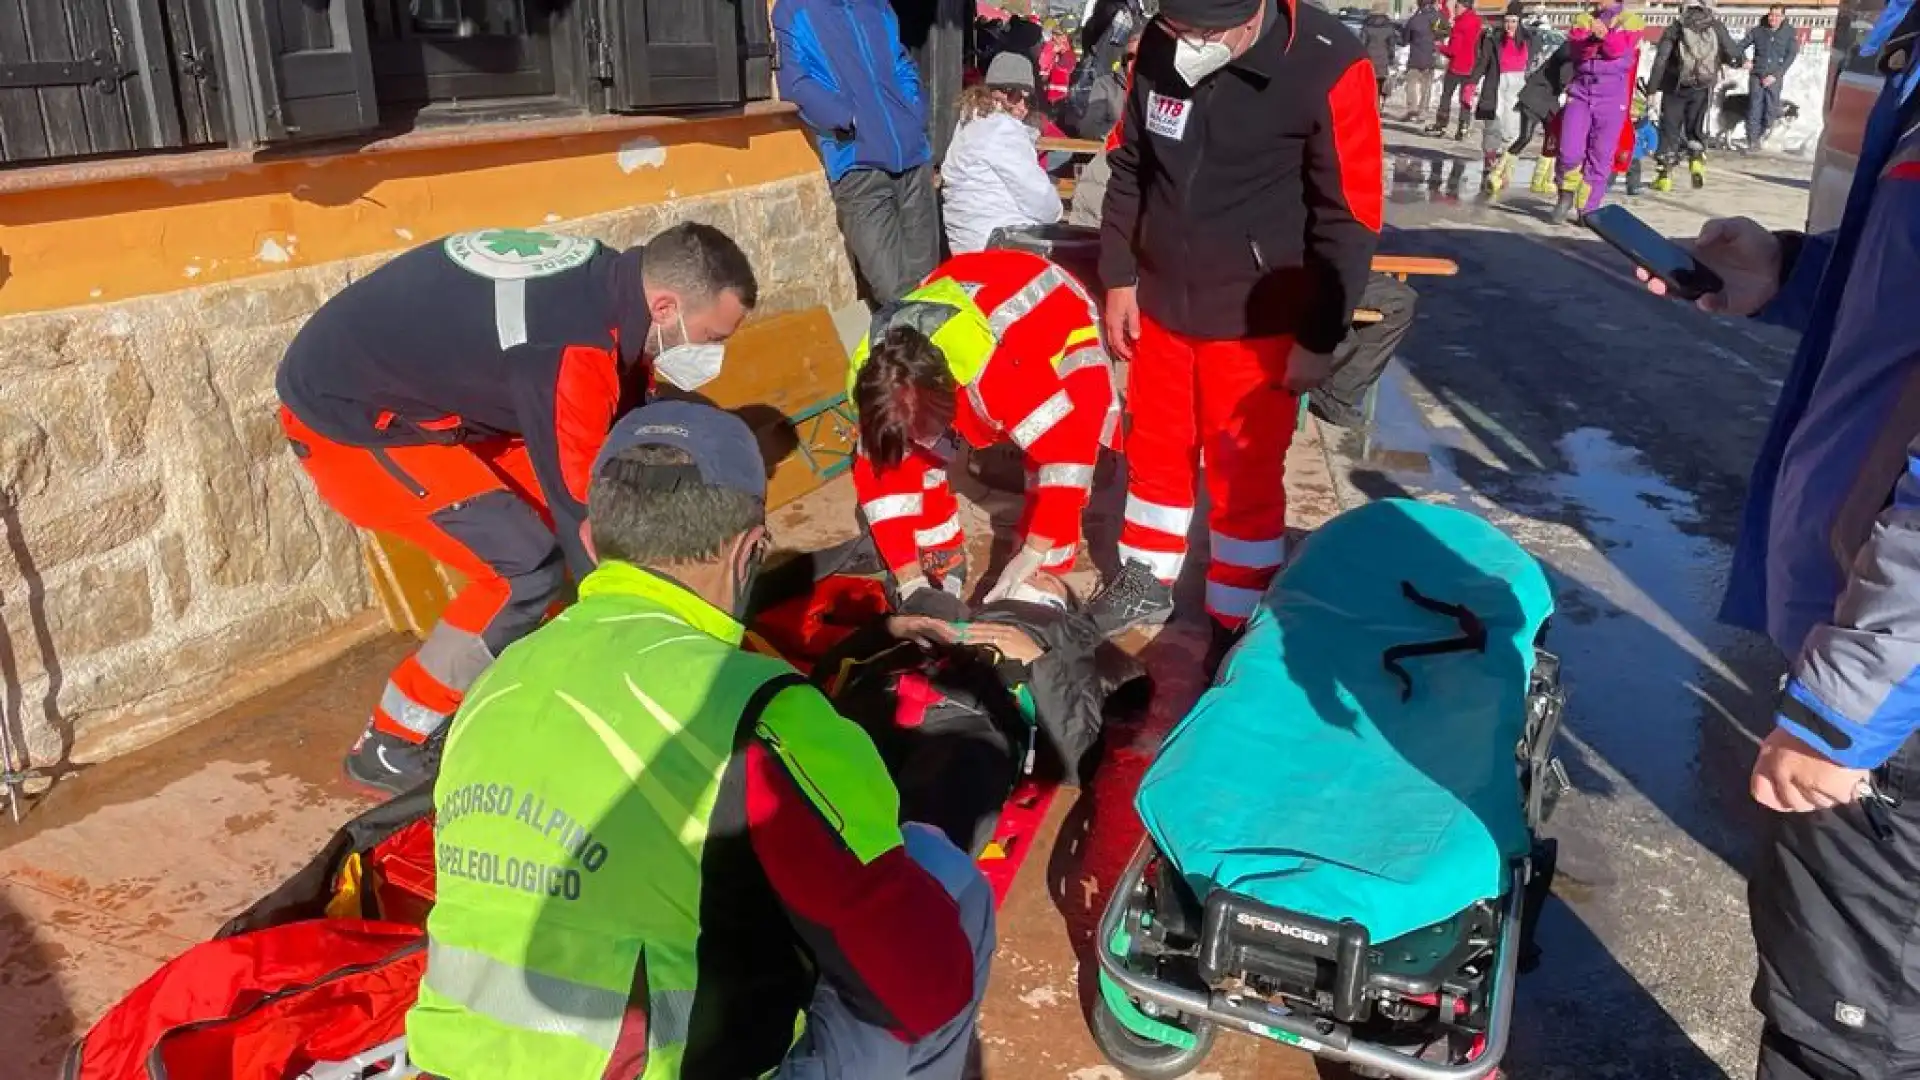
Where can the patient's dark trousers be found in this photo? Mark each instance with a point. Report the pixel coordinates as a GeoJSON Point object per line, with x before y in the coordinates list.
{"type": "Point", "coordinates": [1835, 899]}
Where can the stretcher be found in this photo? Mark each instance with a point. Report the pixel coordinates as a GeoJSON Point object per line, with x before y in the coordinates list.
{"type": "Point", "coordinates": [1343, 850]}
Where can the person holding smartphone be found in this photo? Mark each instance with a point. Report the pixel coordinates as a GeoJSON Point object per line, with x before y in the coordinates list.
{"type": "Point", "coordinates": [1828, 566]}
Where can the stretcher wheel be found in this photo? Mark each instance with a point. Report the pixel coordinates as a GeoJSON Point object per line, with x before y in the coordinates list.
{"type": "Point", "coordinates": [1144, 1058]}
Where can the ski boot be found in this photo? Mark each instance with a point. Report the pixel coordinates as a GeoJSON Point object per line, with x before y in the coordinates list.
{"type": "Point", "coordinates": [1572, 194]}
{"type": "Point", "coordinates": [1698, 168]}
{"type": "Point", "coordinates": [1663, 178]}
{"type": "Point", "coordinates": [1499, 173]}
{"type": "Point", "coordinates": [1542, 177]}
{"type": "Point", "coordinates": [1633, 177]}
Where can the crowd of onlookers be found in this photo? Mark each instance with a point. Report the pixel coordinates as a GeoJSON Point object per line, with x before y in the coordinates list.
{"type": "Point", "coordinates": [1581, 90]}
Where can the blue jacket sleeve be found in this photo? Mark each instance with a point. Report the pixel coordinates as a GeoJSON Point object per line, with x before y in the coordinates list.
{"type": "Point", "coordinates": [1855, 691]}
{"type": "Point", "coordinates": [1792, 306]}
{"type": "Point", "coordinates": [904, 68]}
{"type": "Point", "coordinates": [1854, 694]}
{"type": "Point", "coordinates": [805, 79]}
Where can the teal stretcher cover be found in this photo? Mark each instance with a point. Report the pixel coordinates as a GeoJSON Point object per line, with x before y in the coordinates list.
{"type": "Point", "coordinates": [1301, 779]}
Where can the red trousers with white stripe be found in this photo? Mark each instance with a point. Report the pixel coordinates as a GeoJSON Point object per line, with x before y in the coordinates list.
{"type": "Point", "coordinates": [1190, 399]}
{"type": "Point", "coordinates": [475, 508]}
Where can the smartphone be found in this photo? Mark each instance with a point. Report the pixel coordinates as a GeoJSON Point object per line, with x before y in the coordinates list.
{"type": "Point", "coordinates": [1657, 255]}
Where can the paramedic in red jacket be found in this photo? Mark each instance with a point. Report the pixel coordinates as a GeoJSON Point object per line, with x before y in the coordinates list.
{"type": "Point", "coordinates": [1238, 232]}
{"type": "Point", "coordinates": [996, 346]}
{"type": "Point", "coordinates": [456, 397]}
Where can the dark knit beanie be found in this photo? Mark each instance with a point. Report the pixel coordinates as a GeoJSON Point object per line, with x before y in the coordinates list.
{"type": "Point", "coordinates": [1209, 14]}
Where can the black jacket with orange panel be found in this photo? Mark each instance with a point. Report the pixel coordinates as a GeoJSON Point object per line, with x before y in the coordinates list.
{"type": "Point", "coordinates": [501, 333]}
{"type": "Point", "coordinates": [1250, 205]}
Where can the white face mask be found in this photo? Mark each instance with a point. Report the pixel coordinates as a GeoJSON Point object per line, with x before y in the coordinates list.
{"type": "Point", "coordinates": [689, 365]}
{"type": "Point", "coordinates": [1194, 61]}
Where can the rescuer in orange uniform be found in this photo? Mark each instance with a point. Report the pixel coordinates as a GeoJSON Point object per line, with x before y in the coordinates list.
{"type": "Point", "coordinates": [456, 398]}
{"type": "Point", "coordinates": [994, 346]}
{"type": "Point", "coordinates": [1238, 232]}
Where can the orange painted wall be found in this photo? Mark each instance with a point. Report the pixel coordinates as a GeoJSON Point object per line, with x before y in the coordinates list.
{"type": "Point", "coordinates": [90, 242]}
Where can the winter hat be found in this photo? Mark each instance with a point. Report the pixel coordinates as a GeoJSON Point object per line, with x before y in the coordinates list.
{"type": "Point", "coordinates": [1011, 71]}
{"type": "Point", "coordinates": [1210, 14]}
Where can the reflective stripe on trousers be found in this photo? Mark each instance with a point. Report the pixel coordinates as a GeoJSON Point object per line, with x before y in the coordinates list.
{"type": "Point", "coordinates": [1171, 520]}
{"type": "Point", "coordinates": [1252, 554]}
{"type": "Point", "coordinates": [1164, 565]}
{"type": "Point", "coordinates": [1231, 604]}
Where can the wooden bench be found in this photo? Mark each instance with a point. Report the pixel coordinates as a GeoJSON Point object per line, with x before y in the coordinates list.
{"type": "Point", "coordinates": [1054, 144]}
{"type": "Point", "coordinates": [785, 374]}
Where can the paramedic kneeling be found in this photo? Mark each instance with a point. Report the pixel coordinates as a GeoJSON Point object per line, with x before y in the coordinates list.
{"type": "Point", "coordinates": [454, 398]}
{"type": "Point", "coordinates": [996, 346]}
{"type": "Point", "coordinates": [657, 850]}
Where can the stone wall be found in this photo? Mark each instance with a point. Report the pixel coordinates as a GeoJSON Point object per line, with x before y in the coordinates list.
{"type": "Point", "coordinates": [162, 554]}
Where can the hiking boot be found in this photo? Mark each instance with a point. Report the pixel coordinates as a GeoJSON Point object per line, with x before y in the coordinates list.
{"type": "Point", "coordinates": [1133, 597]}
{"type": "Point", "coordinates": [1223, 640]}
{"type": "Point", "coordinates": [1562, 210]}
{"type": "Point", "coordinates": [390, 763]}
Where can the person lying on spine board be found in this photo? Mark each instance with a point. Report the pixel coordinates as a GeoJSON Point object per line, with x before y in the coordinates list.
{"type": "Point", "coordinates": [960, 712]}
{"type": "Point", "coordinates": [997, 346]}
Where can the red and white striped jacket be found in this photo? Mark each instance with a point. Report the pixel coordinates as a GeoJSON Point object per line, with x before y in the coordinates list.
{"type": "Point", "coordinates": [1047, 387]}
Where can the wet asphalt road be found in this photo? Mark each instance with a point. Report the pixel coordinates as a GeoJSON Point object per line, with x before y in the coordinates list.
{"type": "Point", "coordinates": [1612, 433]}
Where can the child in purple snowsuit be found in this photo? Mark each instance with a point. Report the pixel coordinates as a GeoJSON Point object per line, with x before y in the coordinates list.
{"type": "Point", "coordinates": [1604, 46]}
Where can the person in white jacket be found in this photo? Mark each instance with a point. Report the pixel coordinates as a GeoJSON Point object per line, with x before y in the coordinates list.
{"type": "Point", "coordinates": [992, 176]}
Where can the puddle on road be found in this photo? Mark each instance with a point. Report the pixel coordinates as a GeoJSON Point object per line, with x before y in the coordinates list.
{"type": "Point", "coordinates": [1658, 685]}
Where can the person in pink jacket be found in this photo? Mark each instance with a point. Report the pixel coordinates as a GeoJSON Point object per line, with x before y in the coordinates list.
{"type": "Point", "coordinates": [1459, 51]}
{"type": "Point", "coordinates": [1605, 48]}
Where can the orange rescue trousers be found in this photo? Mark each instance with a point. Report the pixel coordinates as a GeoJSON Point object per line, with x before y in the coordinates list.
{"type": "Point", "coordinates": [1190, 399]}
{"type": "Point", "coordinates": [475, 507]}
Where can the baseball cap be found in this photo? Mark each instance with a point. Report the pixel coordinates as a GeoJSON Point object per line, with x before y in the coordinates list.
{"type": "Point", "coordinates": [724, 451]}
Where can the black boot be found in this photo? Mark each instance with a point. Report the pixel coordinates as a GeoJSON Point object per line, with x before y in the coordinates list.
{"type": "Point", "coordinates": [1222, 643]}
{"type": "Point", "coordinates": [1133, 597]}
{"type": "Point", "coordinates": [1562, 210]}
{"type": "Point", "coordinates": [1460, 133]}
{"type": "Point", "coordinates": [392, 764]}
